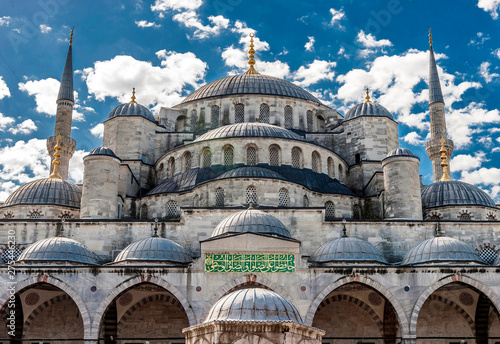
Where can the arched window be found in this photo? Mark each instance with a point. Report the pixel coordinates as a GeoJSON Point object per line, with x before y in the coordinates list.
{"type": "Point", "coordinates": [196, 201]}
{"type": "Point", "coordinates": [252, 156]}
{"type": "Point", "coordinates": [173, 211]}
{"type": "Point", "coordinates": [144, 212]}
{"type": "Point", "coordinates": [180, 124]}
{"type": "Point", "coordinates": [264, 113]}
{"type": "Point", "coordinates": [316, 162]}
{"type": "Point", "coordinates": [309, 119]}
{"type": "Point", "coordinates": [305, 201]}
{"type": "Point", "coordinates": [228, 152]}
{"type": "Point", "coordinates": [356, 212]}
{"type": "Point", "coordinates": [341, 173]}
{"type": "Point", "coordinates": [193, 120]}
{"type": "Point", "coordinates": [219, 197]}
{"type": "Point", "coordinates": [284, 199]}
{"type": "Point", "coordinates": [35, 214]}
{"type": "Point", "coordinates": [251, 195]}
{"type": "Point", "coordinates": [357, 158]}
{"type": "Point", "coordinates": [274, 155]}
{"type": "Point", "coordinates": [206, 158]}
{"type": "Point", "coordinates": [215, 116]}
{"type": "Point", "coordinates": [239, 113]}
{"type": "Point", "coordinates": [187, 161]}
{"type": "Point", "coordinates": [288, 117]}
{"type": "Point", "coordinates": [331, 167]}
{"type": "Point", "coordinates": [465, 216]}
{"type": "Point", "coordinates": [491, 217]}
{"type": "Point", "coordinates": [171, 166]}
{"type": "Point", "coordinates": [297, 158]}
{"type": "Point", "coordinates": [329, 211]}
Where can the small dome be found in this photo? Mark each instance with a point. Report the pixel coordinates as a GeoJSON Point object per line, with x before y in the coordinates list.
{"type": "Point", "coordinates": [347, 249]}
{"type": "Point", "coordinates": [253, 304]}
{"type": "Point", "coordinates": [251, 172]}
{"type": "Point", "coordinates": [131, 109]}
{"type": "Point", "coordinates": [401, 152]}
{"type": "Point", "coordinates": [249, 130]}
{"type": "Point", "coordinates": [250, 84]}
{"type": "Point", "coordinates": [454, 193]}
{"type": "Point", "coordinates": [103, 151]}
{"type": "Point", "coordinates": [253, 221]}
{"type": "Point", "coordinates": [45, 191]}
{"type": "Point", "coordinates": [154, 249]}
{"type": "Point", "coordinates": [367, 109]}
{"type": "Point", "coordinates": [441, 249]}
{"type": "Point", "coordinates": [58, 249]}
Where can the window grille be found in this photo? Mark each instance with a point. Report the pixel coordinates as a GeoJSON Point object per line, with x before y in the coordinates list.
{"type": "Point", "coordinates": [239, 113]}
{"type": "Point", "coordinates": [329, 211]}
{"type": "Point", "coordinates": [331, 168]}
{"type": "Point", "coordinates": [296, 157]}
{"type": "Point", "coordinates": [219, 197]}
{"type": "Point", "coordinates": [264, 113]}
{"type": "Point", "coordinates": [215, 116]}
{"type": "Point", "coordinates": [251, 156]}
{"type": "Point", "coordinates": [144, 212]}
{"type": "Point", "coordinates": [274, 156]}
{"type": "Point", "coordinates": [171, 167]}
{"type": "Point", "coordinates": [251, 195]}
{"type": "Point", "coordinates": [187, 161]}
{"type": "Point", "coordinates": [228, 156]}
{"type": "Point", "coordinates": [284, 200]}
{"type": "Point", "coordinates": [11, 253]}
{"type": "Point", "coordinates": [194, 120]}
{"type": "Point", "coordinates": [465, 217]}
{"type": "Point", "coordinates": [305, 201]}
{"type": "Point", "coordinates": [288, 117]}
{"type": "Point", "coordinates": [35, 214]}
{"type": "Point", "coordinates": [172, 210]}
{"type": "Point", "coordinates": [309, 119]}
{"type": "Point", "coordinates": [316, 162]}
{"type": "Point", "coordinates": [206, 158]}
{"type": "Point", "coordinates": [491, 217]}
{"type": "Point", "coordinates": [488, 255]}
{"type": "Point", "coordinates": [434, 217]}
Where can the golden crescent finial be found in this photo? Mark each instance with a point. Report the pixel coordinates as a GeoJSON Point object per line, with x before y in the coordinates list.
{"type": "Point", "coordinates": [132, 101]}
{"type": "Point", "coordinates": [251, 61]}
{"type": "Point", "coordinates": [367, 96]}
{"type": "Point", "coordinates": [56, 162]}
{"type": "Point", "coordinates": [446, 177]}
{"type": "Point", "coordinates": [430, 36]}
{"type": "Point", "coordinates": [71, 36]}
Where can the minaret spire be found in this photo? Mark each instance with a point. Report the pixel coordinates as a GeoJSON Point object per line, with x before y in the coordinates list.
{"type": "Point", "coordinates": [434, 147]}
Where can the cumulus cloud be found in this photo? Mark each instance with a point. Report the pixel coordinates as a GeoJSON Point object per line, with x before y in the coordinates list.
{"type": "Point", "coordinates": [310, 44]}
{"type": "Point", "coordinates": [4, 89]}
{"type": "Point", "coordinates": [5, 122]}
{"type": "Point", "coordinates": [98, 130]}
{"type": "Point", "coordinates": [489, 177]}
{"type": "Point", "coordinates": [192, 20]}
{"type": "Point", "coordinates": [484, 70]}
{"type": "Point", "coordinates": [467, 162]}
{"type": "Point", "coordinates": [75, 172]}
{"type": "Point", "coordinates": [490, 6]}
{"type": "Point", "coordinates": [26, 127]}
{"type": "Point", "coordinates": [145, 23]}
{"type": "Point", "coordinates": [369, 41]}
{"type": "Point", "coordinates": [166, 5]}
{"type": "Point", "coordinates": [45, 29]}
{"type": "Point", "coordinates": [5, 21]}
{"type": "Point", "coordinates": [496, 52]}
{"type": "Point", "coordinates": [314, 72]}
{"type": "Point", "coordinates": [414, 139]}
{"type": "Point", "coordinates": [337, 16]}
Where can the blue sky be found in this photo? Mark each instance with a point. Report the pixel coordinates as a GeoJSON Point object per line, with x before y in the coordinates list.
{"type": "Point", "coordinates": [168, 48]}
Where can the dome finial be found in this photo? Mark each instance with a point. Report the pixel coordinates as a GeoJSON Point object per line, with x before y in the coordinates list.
{"type": "Point", "coordinates": [71, 36]}
{"type": "Point", "coordinates": [367, 96]}
{"type": "Point", "coordinates": [251, 61]}
{"type": "Point", "coordinates": [56, 162]}
{"type": "Point", "coordinates": [444, 164]}
{"type": "Point", "coordinates": [132, 101]}
{"type": "Point", "coordinates": [430, 37]}
{"type": "Point", "coordinates": [155, 235]}
{"type": "Point", "coordinates": [344, 230]}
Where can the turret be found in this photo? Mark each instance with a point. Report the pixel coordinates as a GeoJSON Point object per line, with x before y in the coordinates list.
{"type": "Point", "coordinates": [64, 116]}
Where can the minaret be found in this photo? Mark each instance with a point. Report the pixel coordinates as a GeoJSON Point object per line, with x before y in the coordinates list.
{"type": "Point", "coordinates": [64, 115]}
{"type": "Point", "coordinates": [438, 120]}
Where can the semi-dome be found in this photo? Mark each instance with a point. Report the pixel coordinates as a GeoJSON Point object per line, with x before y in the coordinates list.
{"type": "Point", "coordinates": [253, 221]}
{"type": "Point", "coordinates": [347, 249]}
{"type": "Point", "coordinates": [252, 129]}
{"type": "Point", "coordinates": [251, 172]}
{"type": "Point", "coordinates": [253, 304]}
{"type": "Point", "coordinates": [47, 191]}
{"type": "Point", "coordinates": [58, 249]}
{"type": "Point", "coordinates": [103, 151]}
{"type": "Point", "coordinates": [454, 192]}
{"type": "Point", "coordinates": [131, 109]}
{"type": "Point", "coordinates": [154, 249]}
{"type": "Point", "coordinates": [250, 84]}
{"type": "Point", "coordinates": [368, 109]}
{"type": "Point", "coordinates": [401, 152]}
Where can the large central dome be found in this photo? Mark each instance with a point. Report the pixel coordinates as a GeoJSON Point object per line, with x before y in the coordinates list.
{"type": "Point", "coordinates": [250, 84]}
{"type": "Point", "coordinates": [249, 130]}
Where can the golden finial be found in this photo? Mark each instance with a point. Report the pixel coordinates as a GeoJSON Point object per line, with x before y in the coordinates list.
{"type": "Point", "coordinates": [430, 36]}
{"type": "Point", "coordinates": [444, 164]}
{"type": "Point", "coordinates": [56, 162]}
{"type": "Point", "coordinates": [133, 97]}
{"type": "Point", "coordinates": [251, 61]}
{"type": "Point", "coordinates": [71, 36]}
{"type": "Point", "coordinates": [367, 96]}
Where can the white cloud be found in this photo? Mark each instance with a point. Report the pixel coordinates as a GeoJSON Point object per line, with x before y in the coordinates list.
{"type": "Point", "coordinates": [5, 21]}
{"type": "Point", "coordinates": [369, 41]}
{"type": "Point", "coordinates": [414, 139]}
{"type": "Point", "coordinates": [496, 52]}
{"type": "Point", "coordinates": [337, 15]}
{"type": "Point", "coordinates": [490, 6]}
{"type": "Point", "coordinates": [26, 127]}
{"type": "Point", "coordinates": [310, 44]}
{"type": "Point", "coordinates": [467, 162]}
{"type": "Point", "coordinates": [192, 20]}
{"type": "Point", "coordinates": [314, 72]}
{"type": "Point", "coordinates": [481, 38]}
{"type": "Point", "coordinates": [5, 122]}
{"type": "Point", "coordinates": [4, 89]}
{"type": "Point", "coordinates": [165, 5]}
{"type": "Point", "coordinates": [45, 29]}
{"type": "Point", "coordinates": [6, 189]}
{"type": "Point", "coordinates": [98, 130]}
{"type": "Point", "coordinates": [484, 70]}
{"type": "Point", "coordinates": [145, 23]}
{"type": "Point", "coordinates": [76, 166]}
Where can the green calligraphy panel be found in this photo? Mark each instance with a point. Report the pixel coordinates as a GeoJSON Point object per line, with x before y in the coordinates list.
{"type": "Point", "coordinates": [225, 262]}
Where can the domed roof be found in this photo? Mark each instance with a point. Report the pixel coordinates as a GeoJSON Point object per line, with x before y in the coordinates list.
{"type": "Point", "coordinates": [154, 249]}
{"type": "Point", "coordinates": [250, 84]}
{"type": "Point", "coordinates": [441, 249]}
{"type": "Point", "coordinates": [347, 249]}
{"type": "Point", "coordinates": [253, 304]}
{"type": "Point", "coordinates": [251, 172]}
{"type": "Point", "coordinates": [58, 249]}
{"type": "Point", "coordinates": [401, 152]}
{"type": "Point", "coordinates": [131, 109]}
{"type": "Point", "coordinates": [103, 151]}
{"type": "Point", "coordinates": [454, 193]}
{"type": "Point", "coordinates": [367, 109]}
{"type": "Point", "coordinates": [52, 191]}
{"type": "Point", "coordinates": [249, 130]}
{"type": "Point", "coordinates": [251, 220]}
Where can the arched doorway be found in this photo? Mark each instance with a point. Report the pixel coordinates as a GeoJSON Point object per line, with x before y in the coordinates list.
{"type": "Point", "coordinates": [355, 312]}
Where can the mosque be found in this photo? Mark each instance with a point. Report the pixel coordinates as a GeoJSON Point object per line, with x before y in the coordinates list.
{"type": "Point", "coordinates": [249, 213]}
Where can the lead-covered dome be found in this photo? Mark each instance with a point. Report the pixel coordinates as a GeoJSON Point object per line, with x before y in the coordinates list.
{"type": "Point", "coordinates": [368, 109]}
{"type": "Point", "coordinates": [250, 84]}
{"type": "Point", "coordinates": [47, 191]}
{"type": "Point", "coordinates": [58, 249]}
{"type": "Point", "coordinates": [249, 130]}
{"type": "Point", "coordinates": [130, 110]}
{"type": "Point", "coordinates": [253, 304]}
{"type": "Point", "coordinates": [250, 172]}
{"type": "Point", "coordinates": [154, 249]}
{"type": "Point", "coordinates": [251, 221]}
{"type": "Point", "coordinates": [401, 152]}
{"type": "Point", "coordinates": [103, 151]}
{"type": "Point", "coordinates": [454, 193]}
